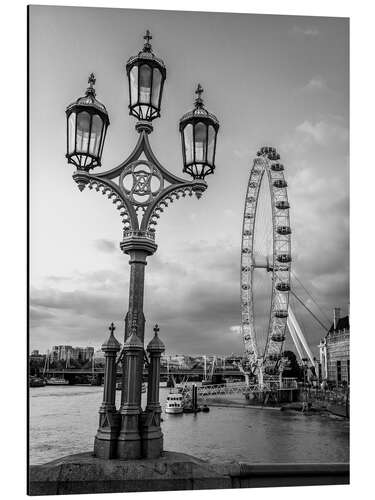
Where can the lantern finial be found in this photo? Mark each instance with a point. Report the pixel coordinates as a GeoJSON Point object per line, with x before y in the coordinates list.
{"type": "Point", "coordinates": [91, 81]}
{"type": "Point", "coordinates": [147, 47]}
{"type": "Point", "coordinates": [199, 100]}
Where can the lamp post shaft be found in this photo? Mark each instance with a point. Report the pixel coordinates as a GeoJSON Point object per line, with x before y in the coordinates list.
{"type": "Point", "coordinates": [129, 441]}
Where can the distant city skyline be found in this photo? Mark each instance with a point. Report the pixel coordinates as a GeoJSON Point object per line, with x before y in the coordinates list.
{"type": "Point", "coordinates": [271, 80]}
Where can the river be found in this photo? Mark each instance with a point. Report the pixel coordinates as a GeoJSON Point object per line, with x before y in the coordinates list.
{"type": "Point", "coordinates": [64, 420]}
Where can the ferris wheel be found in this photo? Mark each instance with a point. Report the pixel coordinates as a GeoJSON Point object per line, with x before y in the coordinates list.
{"type": "Point", "coordinates": [265, 264]}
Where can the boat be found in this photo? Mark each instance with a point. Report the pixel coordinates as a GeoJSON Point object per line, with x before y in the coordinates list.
{"type": "Point", "coordinates": [174, 403]}
{"type": "Point", "coordinates": [37, 382]}
{"type": "Point", "coordinates": [57, 381]}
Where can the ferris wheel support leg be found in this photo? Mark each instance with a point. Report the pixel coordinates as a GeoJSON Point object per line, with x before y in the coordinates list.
{"type": "Point", "coordinates": [260, 378]}
{"type": "Point", "coordinates": [294, 338]}
{"type": "Point", "coordinates": [301, 336]}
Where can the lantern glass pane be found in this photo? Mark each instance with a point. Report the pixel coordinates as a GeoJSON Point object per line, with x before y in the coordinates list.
{"type": "Point", "coordinates": [211, 145]}
{"type": "Point", "coordinates": [71, 132]}
{"type": "Point", "coordinates": [83, 131]}
{"type": "Point", "coordinates": [188, 141]}
{"type": "Point", "coordinates": [200, 142]}
{"type": "Point", "coordinates": [105, 126]}
{"type": "Point", "coordinates": [96, 131]}
{"type": "Point", "coordinates": [134, 85]}
{"type": "Point", "coordinates": [144, 84]}
{"type": "Point", "coordinates": [156, 84]}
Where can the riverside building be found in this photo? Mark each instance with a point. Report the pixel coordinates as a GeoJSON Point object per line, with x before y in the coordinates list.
{"type": "Point", "coordinates": [334, 351]}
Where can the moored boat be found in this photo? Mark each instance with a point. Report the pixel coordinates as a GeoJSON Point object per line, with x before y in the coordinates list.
{"type": "Point", "coordinates": [174, 403]}
{"type": "Point", "coordinates": [57, 381]}
{"type": "Point", "coordinates": [37, 382]}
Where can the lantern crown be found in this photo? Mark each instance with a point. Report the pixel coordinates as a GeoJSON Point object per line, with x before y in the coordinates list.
{"type": "Point", "coordinates": [89, 100]}
{"type": "Point", "coordinates": [145, 55]}
{"type": "Point", "coordinates": [199, 111]}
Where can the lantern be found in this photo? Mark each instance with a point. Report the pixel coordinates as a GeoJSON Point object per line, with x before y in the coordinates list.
{"type": "Point", "coordinates": [198, 135]}
{"type": "Point", "coordinates": [146, 77]}
{"type": "Point", "coordinates": [87, 122]}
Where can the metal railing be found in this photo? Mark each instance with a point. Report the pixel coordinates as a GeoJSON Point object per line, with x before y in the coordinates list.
{"type": "Point", "coordinates": [206, 391]}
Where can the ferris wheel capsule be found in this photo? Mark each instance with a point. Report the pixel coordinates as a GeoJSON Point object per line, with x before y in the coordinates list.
{"type": "Point", "coordinates": [282, 205]}
{"type": "Point", "coordinates": [282, 286]}
{"type": "Point", "coordinates": [284, 257]}
{"type": "Point", "coordinates": [283, 230]}
{"type": "Point", "coordinates": [280, 183]}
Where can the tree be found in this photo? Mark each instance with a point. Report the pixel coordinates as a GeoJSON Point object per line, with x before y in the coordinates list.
{"type": "Point", "coordinates": [292, 368]}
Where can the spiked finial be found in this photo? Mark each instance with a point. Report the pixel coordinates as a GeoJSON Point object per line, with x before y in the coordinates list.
{"type": "Point", "coordinates": [111, 344]}
{"type": "Point", "coordinates": [91, 81]}
{"type": "Point", "coordinates": [156, 346]}
{"type": "Point", "coordinates": [147, 47]}
{"type": "Point", "coordinates": [199, 100]}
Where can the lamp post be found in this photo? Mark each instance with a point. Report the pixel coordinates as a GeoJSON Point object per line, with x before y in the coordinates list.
{"type": "Point", "coordinates": [140, 188]}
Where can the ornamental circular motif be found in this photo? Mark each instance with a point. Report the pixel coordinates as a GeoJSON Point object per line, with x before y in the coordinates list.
{"type": "Point", "coordinates": [142, 182]}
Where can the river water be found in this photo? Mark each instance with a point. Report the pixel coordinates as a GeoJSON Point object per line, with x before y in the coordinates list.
{"type": "Point", "coordinates": [64, 420]}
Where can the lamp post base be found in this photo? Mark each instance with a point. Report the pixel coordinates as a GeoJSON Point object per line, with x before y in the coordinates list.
{"type": "Point", "coordinates": [152, 436]}
{"type": "Point", "coordinates": [105, 444]}
{"type": "Point", "coordinates": [129, 444]}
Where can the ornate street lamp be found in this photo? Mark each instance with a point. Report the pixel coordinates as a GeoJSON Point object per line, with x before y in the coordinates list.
{"type": "Point", "coordinates": [198, 135]}
{"type": "Point", "coordinates": [140, 188]}
{"type": "Point", "coordinates": [87, 123]}
{"type": "Point", "coordinates": [146, 74]}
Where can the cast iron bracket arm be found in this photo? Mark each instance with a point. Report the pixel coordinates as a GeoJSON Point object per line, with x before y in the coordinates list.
{"type": "Point", "coordinates": [168, 195]}
{"type": "Point", "coordinates": [112, 190]}
{"type": "Point", "coordinates": [134, 155]}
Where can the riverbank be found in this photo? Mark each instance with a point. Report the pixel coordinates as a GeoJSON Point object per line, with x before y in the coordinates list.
{"type": "Point", "coordinates": [83, 473]}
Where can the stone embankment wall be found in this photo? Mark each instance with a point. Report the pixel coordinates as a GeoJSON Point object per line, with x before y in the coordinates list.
{"type": "Point", "coordinates": [84, 473]}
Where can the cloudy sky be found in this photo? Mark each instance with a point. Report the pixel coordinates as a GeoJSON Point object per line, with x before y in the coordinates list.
{"type": "Point", "coordinates": [271, 80]}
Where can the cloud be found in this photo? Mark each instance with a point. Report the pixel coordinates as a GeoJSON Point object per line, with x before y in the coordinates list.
{"type": "Point", "coordinates": [306, 31]}
{"type": "Point", "coordinates": [315, 84]}
{"type": "Point", "coordinates": [37, 314]}
{"type": "Point", "coordinates": [322, 132]}
{"type": "Point", "coordinates": [107, 246]}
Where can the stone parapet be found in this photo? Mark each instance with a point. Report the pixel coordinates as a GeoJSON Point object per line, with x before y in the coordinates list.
{"type": "Point", "coordinates": [83, 473]}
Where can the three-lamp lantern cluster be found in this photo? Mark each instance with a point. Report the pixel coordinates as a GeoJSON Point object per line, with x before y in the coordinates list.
{"type": "Point", "coordinates": [87, 118]}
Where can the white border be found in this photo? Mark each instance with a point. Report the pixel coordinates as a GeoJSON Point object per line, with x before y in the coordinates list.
{"type": "Point", "coordinates": [13, 257]}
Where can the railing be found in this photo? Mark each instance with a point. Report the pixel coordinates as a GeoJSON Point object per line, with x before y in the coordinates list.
{"type": "Point", "coordinates": [206, 391]}
{"type": "Point", "coordinates": [339, 396]}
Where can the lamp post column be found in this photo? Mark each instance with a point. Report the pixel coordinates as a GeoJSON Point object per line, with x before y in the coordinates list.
{"type": "Point", "coordinates": [109, 424]}
{"type": "Point", "coordinates": [152, 436]}
{"type": "Point", "coordinates": [129, 440]}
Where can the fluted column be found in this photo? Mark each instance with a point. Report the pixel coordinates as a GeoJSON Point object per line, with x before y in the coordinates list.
{"type": "Point", "coordinates": [152, 436]}
{"type": "Point", "coordinates": [129, 440]}
{"type": "Point", "coordinates": [105, 444]}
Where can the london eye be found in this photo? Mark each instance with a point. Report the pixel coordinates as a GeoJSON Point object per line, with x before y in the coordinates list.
{"type": "Point", "coordinates": [265, 264]}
